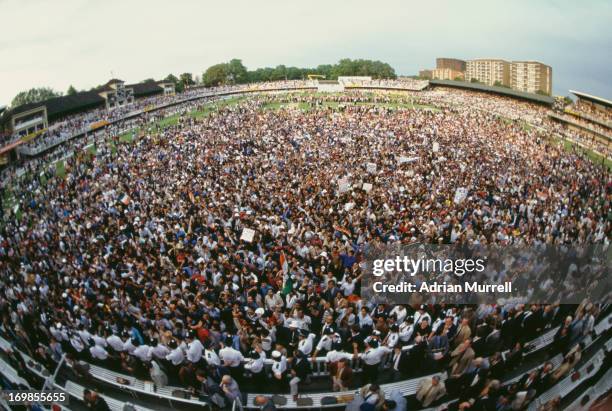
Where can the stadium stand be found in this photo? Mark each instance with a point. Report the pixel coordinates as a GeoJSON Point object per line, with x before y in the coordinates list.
{"type": "Point", "coordinates": [406, 388]}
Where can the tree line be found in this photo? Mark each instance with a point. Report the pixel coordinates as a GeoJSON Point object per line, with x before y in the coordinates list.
{"type": "Point", "coordinates": [234, 72]}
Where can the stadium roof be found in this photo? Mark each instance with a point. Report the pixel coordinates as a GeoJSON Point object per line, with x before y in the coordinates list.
{"type": "Point", "coordinates": [594, 99]}
{"type": "Point", "coordinates": [85, 100]}
{"type": "Point", "coordinates": [536, 98]}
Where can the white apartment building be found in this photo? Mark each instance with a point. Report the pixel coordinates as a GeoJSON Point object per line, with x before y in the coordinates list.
{"type": "Point", "coordinates": [488, 71]}
{"type": "Point", "coordinates": [531, 77]}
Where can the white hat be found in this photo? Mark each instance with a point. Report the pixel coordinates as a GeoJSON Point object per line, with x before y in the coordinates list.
{"type": "Point", "coordinates": [276, 354]}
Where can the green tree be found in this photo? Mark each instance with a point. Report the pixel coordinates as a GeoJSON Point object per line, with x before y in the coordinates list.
{"type": "Point", "coordinates": [237, 71]}
{"type": "Point", "coordinates": [234, 72]}
{"type": "Point", "coordinates": [324, 70]}
{"type": "Point", "coordinates": [361, 67]}
{"type": "Point", "coordinates": [216, 75]}
{"type": "Point", "coordinates": [500, 84]}
{"type": "Point", "coordinates": [279, 73]}
{"type": "Point", "coordinates": [171, 78]}
{"type": "Point", "coordinates": [34, 95]}
{"type": "Point", "coordinates": [186, 79]}
{"type": "Point", "coordinates": [71, 91]}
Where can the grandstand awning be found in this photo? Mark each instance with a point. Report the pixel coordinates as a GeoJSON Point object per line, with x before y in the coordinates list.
{"type": "Point", "coordinates": [594, 99]}
{"type": "Point", "coordinates": [536, 98]}
{"type": "Point", "coordinates": [62, 106]}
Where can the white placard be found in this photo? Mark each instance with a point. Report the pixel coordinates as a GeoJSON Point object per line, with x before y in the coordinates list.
{"type": "Point", "coordinates": [247, 235]}
{"type": "Point", "coordinates": [367, 187]}
{"type": "Point", "coordinates": [436, 147]}
{"type": "Point", "coordinates": [349, 206]}
{"type": "Point", "coordinates": [460, 195]}
{"type": "Point", "coordinates": [371, 167]}
{"type": "Point", "coordinates": [404, 159]}
{"type": "Point", "coordinates": [343, 185]}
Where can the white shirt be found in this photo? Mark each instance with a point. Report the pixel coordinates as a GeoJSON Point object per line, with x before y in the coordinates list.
{"type": "Point", "coordinates": [373, 356]}
{"type": "Point", "coordinates": [257, 364]}
{"type": "Point", "coordinates": [400, 312]}
{"type": "Point", "coordinates": [305, 345]}
{"type": "Point", "coordinates": [279, 367]}
{"type": "Point", "coordinates": [85, 336]}
{"type": "Point", "coordinates": [116, 343]}
{"type": "Point", "coordinates": [98, 352]}
{"type": "Point", "coordinates": [58, 334]}
{"type": "Point", "coordinates": [266, 343]}
{"type": "Point", "coordinates": [176, 356]}
{"type": "Point", "coordinates": [76, 342]}
{"type": "Point", "coordinates": [325, 343]}
{"type": "Point", "coordinates": [143, 352]}
{"type": "Point", "coordinates": [160, 351]}
{"type": "Point", "coordinates": [128, 346]}
{"type": "Point", "coordinates": [405, 331]}
{"type": "Point", "coordinates": [334, 356]}
{"type": "Point", "coordinates": [230, 356]}
{"type": "Point", "coordinates": [348, 287]}
{"type": "Point", "coordinates": [418, 317]}
{"type": "Point", "coordinates": [392, 339]}
{"type": "Point", "coordinates": [212, 358]}
{"type": "Point", "coordinates": [99, 340]}
{"type": "Point", "coordinates": [194, 350]}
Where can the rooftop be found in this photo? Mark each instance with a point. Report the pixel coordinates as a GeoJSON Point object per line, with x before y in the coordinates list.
{"type": "Point", "coordinates": [594, 99]}
{"type": "Point", "coordinates": [85, 100]}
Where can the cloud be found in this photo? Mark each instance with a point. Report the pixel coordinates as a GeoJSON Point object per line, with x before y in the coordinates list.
{"type": "Point", "coordinates": [76, 42]}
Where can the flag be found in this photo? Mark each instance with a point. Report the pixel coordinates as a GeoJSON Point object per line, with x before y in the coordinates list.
{"type": "Point", "coordinates": [283, 262]}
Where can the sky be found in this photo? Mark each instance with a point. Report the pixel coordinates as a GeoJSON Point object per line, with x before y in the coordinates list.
{"type": "Point", "coordinates": [58, 43]}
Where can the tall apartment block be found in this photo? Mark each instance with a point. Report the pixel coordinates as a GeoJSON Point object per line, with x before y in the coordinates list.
{"type": "Point", "coordinates": [531, 77]}
{"type": "Point", "coordinates": [488, 71]}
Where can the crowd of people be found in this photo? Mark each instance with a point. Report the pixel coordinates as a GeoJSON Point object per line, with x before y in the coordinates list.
{"type": "Point", "coordinates": [591, 110]}
{"type": "Point", "coordinates": [401, 83]}
{"type": "Point", "coordinates": [64, 129]}
{"type": "Point", "coordinates": [227, 251]}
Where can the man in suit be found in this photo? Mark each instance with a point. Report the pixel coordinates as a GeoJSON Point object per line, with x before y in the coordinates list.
{"type": "Point", "coordinates": [493, 341]}
{"type": "Point", "coordinates": [438, 346]}
{"type": "Point", "coordinates": [544, 380]}
{"type": "Point", "coordinates": [463, 332]}
{"type": "Point", "coordinates": [343, 376]}
{"type": "Point", "coordinates": [461, 358]}
{"type": "Point", "coordinates": [300, 369]}
{"type": "Point", "coordinates": [94, 402]}
{"type": "Point", "coordinates": [399, 363]}
{"type": "Point", "coordinates": [430, 390]}
{"type": "Point", "coordinates": [529, 381]}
